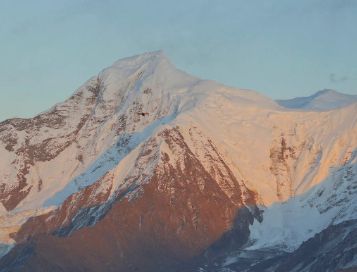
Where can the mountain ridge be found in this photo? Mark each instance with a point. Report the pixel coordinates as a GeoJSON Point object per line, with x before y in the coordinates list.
{"type": "Point", "coordinates": [326, 99]}
{"type": "Point", "coordinates": [176, 151]}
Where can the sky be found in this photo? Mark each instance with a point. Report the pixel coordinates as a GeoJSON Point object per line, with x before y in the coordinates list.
{"type": "Point", "coordinates": [281, 48]}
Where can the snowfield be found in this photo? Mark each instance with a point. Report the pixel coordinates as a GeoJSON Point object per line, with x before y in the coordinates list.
{"type": "Point", "coordinates": [301, 164]}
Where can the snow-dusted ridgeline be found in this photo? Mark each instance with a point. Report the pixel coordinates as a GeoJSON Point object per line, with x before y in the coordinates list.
{"type": "Point", "coordinates": [107, 140]}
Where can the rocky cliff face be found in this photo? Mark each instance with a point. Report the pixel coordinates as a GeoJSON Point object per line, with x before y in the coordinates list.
{"type": "Point", "coordinates": [146, 168]}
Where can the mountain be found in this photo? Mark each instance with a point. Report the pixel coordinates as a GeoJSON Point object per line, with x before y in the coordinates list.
{"type": "Point", "coordinates": [322, 100]}
{"type": "Point", "coordinates": [146, 168]}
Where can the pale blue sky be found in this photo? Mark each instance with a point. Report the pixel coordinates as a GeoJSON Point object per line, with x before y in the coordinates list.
{"type": "Point", "coordinates": [282, 48]}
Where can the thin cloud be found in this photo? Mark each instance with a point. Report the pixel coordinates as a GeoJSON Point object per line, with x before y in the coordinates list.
{"type": "Point", "coordinates": [337, 78]}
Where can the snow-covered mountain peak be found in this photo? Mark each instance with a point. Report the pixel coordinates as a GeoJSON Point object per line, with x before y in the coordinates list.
{"type": "Point", "coordinates": [154, 56]}
{"type": "Point", "coordinates": [143, 145]}
{"type": "Point", "coordinates": [326, 92]}
{"type": "Point", "coordinates": [326, 99]}
{"type": "Point", "coordinates": [328, 95]}
{"type": "Point", "coordinates": [150, 84]}
{"type": "Point", "coordinates": [153, 67]}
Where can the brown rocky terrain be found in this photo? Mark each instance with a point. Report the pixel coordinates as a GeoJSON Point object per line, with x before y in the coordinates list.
{"type": "Point", "coordinates": [169, 222]}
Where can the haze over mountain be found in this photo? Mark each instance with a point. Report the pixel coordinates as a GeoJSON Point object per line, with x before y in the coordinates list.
{"type": "Point", "coordinates": [146, 168]}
